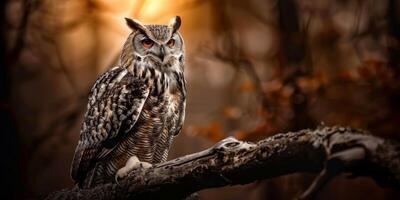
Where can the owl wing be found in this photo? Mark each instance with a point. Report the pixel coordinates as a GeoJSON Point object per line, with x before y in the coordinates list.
{"type": "Point", "coordinates": [115, 103]}
{"type": "Point", "coordinates": [180, 118]}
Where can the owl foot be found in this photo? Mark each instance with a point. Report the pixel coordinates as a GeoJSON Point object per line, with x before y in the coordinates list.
{"type": "Point", "coordinates": [132, 164]}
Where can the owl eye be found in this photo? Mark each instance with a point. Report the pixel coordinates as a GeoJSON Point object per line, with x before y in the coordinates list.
{"type": "Point", "coordinates": [147, 43]}
{"type": "Point", "coordinates": [171, 43]}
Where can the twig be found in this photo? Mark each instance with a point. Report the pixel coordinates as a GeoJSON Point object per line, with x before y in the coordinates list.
{"type": "Point", "coordinates": [22, 28]}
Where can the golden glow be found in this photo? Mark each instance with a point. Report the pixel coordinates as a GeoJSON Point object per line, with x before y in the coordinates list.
{"type": "Point", "coordinates": [152, 7]}
{"type": "Point", "coordinates": [106, 21]}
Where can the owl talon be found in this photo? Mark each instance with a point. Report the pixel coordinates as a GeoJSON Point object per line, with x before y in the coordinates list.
{"type": "Point", "coordinates": [132, 164]}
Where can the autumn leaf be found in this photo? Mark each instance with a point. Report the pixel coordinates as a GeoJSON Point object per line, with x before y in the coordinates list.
{"type": "Point", "coordinates": [232, 112]}
{"type": "Point", "coordinates": [247, 86]}
{"type": "Point", "coordinates": [212, 131]}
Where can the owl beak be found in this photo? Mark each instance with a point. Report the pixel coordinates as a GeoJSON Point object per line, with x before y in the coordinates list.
{"type": "Point", "coordinates": [162, 53]}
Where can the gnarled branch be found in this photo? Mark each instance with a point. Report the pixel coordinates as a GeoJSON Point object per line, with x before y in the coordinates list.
{"type": "Point", "coordinates": [330, 150]}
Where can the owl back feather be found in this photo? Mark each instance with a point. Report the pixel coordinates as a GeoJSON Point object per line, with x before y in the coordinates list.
{"type": "Point", "coordinates": [115, 103]}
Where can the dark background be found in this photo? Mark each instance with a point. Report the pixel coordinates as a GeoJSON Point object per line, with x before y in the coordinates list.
{"type": "Point", "coordinates": [254, 68]}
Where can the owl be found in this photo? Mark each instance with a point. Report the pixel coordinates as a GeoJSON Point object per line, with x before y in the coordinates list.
{"type": "Point", "coordinates": [135, 109]}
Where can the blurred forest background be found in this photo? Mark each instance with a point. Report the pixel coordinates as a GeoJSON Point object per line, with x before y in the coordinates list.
{"type": "Point", "coordinates": [254, 68]}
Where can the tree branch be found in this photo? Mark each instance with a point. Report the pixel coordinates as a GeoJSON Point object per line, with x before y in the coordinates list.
{"type": "Point", "coordinates": [331, 150]}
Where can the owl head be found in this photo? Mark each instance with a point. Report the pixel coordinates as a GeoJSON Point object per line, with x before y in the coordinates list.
{"type": "Point", "coordinates": [159, 44]}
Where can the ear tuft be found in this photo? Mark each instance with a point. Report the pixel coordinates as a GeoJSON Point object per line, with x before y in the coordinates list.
{"type": "Point", "coordinates": [175, 23]}
{"type": "Point", "coordinates": [134, 24]}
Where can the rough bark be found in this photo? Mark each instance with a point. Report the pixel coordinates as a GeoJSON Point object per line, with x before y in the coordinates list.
{"type": "Point", "coordinates": [331, 150]}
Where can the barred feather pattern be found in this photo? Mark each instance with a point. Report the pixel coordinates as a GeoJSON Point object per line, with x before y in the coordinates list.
{"type": "Point", "coordinates": [136, 109]}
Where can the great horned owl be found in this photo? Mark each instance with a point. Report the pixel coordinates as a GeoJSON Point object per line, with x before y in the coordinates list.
{"type": "Point", "coordinates": [135, 109]}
